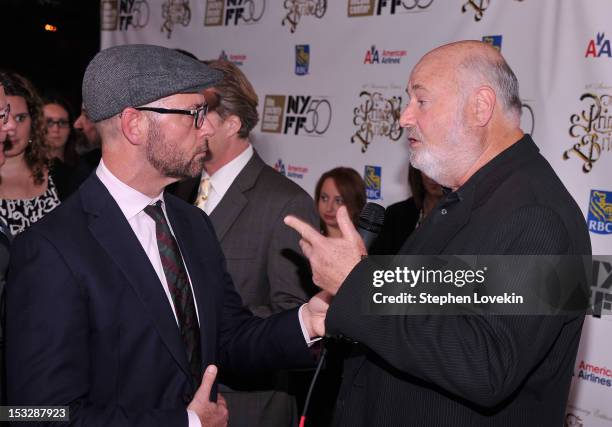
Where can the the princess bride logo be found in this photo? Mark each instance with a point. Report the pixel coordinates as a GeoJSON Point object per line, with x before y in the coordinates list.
{"type": "Point", "coordinates": [376, 116]}
{"type": "Point", "coordinates": [296, 9]}
{"type": "Point", "coordinates": [591, 129]}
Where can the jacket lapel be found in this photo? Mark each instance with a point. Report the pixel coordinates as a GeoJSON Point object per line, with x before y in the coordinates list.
{"type": "Point", "coordinates": [235, 200]}
{"type": "Point", "coordinates": [112, 231]}
{"type": "Point", "coordinates": [195, 257]}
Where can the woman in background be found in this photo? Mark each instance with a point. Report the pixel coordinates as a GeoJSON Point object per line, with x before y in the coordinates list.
{"type": "Point", "coordinates": [337, 187]}
{"type": "Point", "coordinates": [58, 120]}
{"type": "Point", "coordinates": [402, 218]}
{"type": "Point", "coordinates": [27, 192]}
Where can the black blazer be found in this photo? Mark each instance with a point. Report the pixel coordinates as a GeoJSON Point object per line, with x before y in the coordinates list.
{"type": "Point", "coordinates": [89, 324]}
{"type": "Point", "coordinates": [472, 370]}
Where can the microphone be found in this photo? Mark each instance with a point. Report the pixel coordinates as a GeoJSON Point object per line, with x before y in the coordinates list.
{"type": "Point", "coordinates": [370, 223]}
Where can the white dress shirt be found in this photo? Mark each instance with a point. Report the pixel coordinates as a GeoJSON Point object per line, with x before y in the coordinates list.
{"type": "Point", "coordinates": [132, 204]}
{"type": "Point", "coordinates": [223, 178]}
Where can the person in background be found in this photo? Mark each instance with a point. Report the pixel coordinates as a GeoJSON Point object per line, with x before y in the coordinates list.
{"type": "Point", "coordinates": [27, 191]}
{"type": "Point", "coordinates": [7, 127]}
{"type": "Point", "coordinates": [402, 218]}
{"type": "Point", "coordinates": [58, 119]}
{"type": "Point", "coordinates": [337, 187]}
{"type": "Point", "coordinates": [246, 201]}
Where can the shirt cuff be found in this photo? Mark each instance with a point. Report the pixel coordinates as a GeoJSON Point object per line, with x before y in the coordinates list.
{"type": "Point", "coordinates": [307, 338]}
{"type": "Point", "coordinates": [194, 420]}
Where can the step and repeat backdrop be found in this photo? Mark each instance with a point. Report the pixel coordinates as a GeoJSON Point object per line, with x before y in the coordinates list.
{"type": "Point", "coordinates": [331, 79]}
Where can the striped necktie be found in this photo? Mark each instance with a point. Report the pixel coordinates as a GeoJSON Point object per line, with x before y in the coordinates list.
{"type": "Point", "coordinates": [180, 290]}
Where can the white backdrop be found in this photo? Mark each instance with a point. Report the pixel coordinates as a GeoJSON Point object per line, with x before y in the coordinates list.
{"type": "Point", "coordinates": [331, 77]}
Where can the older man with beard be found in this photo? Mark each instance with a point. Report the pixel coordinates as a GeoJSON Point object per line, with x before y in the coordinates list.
{"type": "Point", "coordinates": [502, 197]}
{"type": "Point", "coordinates": [119, 305]}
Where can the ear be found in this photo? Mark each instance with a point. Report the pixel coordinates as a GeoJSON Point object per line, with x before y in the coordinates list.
{"type": "Point", "coordinates": [133, 126]}
{"type": "Point", "coordinates": [232, 124]}
{"type": "Point", "coordinates": [484, 106]}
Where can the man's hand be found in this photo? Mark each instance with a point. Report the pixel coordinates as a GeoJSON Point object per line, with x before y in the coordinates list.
{"type": "Point", "coordinates": [211, 414]}
{"type": "Point", "coordinates": [331, 259]}
{"type": "Point", "coordinates": [314, 314]}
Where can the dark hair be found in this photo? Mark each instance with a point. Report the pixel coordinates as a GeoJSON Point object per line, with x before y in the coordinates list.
{"type": "Point", "coordinates": [51, 96]}
{"type": "Point", "coordinates": [36, 151]}
{"type": "Point", "coordinates": [351, 187]}
{"type": "Point", "coordinates": [237, 96]}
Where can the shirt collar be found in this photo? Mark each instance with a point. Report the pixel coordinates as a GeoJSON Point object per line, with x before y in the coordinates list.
{"type": "Point", "coordinates": [225, 176]}
{"type": "Point", "coordinates": [130, 201]}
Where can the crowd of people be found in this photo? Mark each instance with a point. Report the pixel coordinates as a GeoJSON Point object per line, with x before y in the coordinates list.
{"type": "Point", "coordinates": [177, 279]}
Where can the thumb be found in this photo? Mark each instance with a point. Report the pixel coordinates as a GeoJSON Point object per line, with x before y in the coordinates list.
{"type": "Point", "coordinates": [203, 393]}
{"type": "Point", "coordinates": [346, 224]}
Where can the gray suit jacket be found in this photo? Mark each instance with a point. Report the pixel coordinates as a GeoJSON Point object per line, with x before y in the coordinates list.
{"type": "Point", "coordinates": [268, 269]}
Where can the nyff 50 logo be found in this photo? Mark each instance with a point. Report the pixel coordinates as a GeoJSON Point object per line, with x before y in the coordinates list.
{"type": "Point", "coordinates": [124, 14]}
{"type": "Point", "coordinates": [376, 116]}
{"type": "Point", "coordinates": [368, 7]}
{"type": "Point", "coordinates": [592, 129]}
{"type": "Point", "coordinates": [296, 114]}
{"type": "Point", "coordinates": [296, 9]}
{"type": "Point", "coordinates": [233, 12]}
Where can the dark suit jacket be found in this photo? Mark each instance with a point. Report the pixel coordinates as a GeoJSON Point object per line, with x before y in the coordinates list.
{"type": "Point", "coordinates": [89, 325]}
{"type": "Point", "coordinates": [400, 220]}
{"type": "Point", "coordinates": [471, 370]}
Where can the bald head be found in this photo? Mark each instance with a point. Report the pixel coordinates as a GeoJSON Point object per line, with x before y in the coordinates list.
{"type": "Point", "coordinates": [471, 64]}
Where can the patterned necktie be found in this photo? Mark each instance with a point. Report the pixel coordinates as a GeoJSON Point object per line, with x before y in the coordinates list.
{"type": "Point", "coordinates": [180, 291]}
{"type": "Point", "coordinates": [203, 191]}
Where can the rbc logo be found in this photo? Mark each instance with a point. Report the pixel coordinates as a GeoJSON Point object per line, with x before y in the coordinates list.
{"type": "Point", "coordinates": [302, 59]}
{"type": "Point", "coordinates": [600, 212]}
{"type": "Point", "coordinates": [495, 41]}
{"type": "Point", "coordinates": [373, 179]}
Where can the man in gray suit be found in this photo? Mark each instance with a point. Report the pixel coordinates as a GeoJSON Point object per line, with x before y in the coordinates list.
{"type": "Point", "coordinates": [247, 201]}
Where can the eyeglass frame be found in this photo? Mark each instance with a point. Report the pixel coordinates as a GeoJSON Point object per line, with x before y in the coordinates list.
{"type": "Point", "coordinates": [50, 123]}
{"type": "Point", "coordinates": [5, 115]}
{"type": "Point", "coordinates": [198, 112]}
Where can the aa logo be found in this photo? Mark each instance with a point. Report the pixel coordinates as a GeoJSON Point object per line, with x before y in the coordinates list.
{"type": "Point", "coordinates": [296, 9]}
{"type": "Point", "coordinates": [377, 115]}
{"type": "Point", "coordinates": [591, 129]}
{"type": "Point", "coordinates": [600, 46]}
{"type": "Point", "coordinates": [600, 212]}
{"type": "Point", "coordinates": [296, 114]}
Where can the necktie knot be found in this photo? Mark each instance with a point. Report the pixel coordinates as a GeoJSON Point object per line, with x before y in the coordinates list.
{"type": "Point", "coordinates": [155, 211]}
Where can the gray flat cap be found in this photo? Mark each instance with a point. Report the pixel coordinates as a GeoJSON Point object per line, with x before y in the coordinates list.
{"type": "Point", "coordinates": [134, 75]}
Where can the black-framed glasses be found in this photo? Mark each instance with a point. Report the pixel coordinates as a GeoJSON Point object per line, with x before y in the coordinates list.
{"type": "Point", "coordinates": [5, 114]}
{"type": "Point", "coordinates": [199, 114]}
{"type": "Point", "coordinates": [61, 123]}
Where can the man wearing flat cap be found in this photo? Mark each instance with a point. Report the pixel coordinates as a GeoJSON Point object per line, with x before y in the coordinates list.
{"type": "Point", "coordinates": [119, 304]}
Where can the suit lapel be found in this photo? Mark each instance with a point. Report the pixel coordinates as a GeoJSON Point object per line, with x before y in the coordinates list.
{"type": "Point", "coordinates": [234, 200]}
{"type": "Point", "coordinates": [195, 255]}
{"type": "Point", "coordinates": [112, 231]}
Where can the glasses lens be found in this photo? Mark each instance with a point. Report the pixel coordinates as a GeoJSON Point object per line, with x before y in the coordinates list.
{"type": "Point", "coordinates": [200, 116]}
{"type": "Point", "coordinates": [61, 123]}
